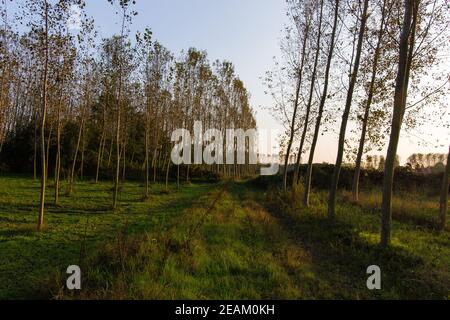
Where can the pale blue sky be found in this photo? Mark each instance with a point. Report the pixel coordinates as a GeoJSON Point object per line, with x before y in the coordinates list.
{"type": "Point", "coordinates": [245, 32]}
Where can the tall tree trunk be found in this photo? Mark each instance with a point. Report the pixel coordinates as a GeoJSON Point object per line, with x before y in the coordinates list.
{"type": "Point", "coordinates": [58, 151]}
{"type": "Point", "coordinates": [119, 99]}
{"type": "Point", "coordinates": [74, 162]}
{"type": "Point", "coordinates": [146, 164]}
{"type": "Point", "coordinates": [35, 151]}
{"type": "Point", "coordinates": [311, 92]}
{"type": "Point", "coordinates": [100, 152]}
{"type": "Point", "coordinates": [124, 163]}
{"type": "Point", "coordinates": [43, 116]}
{"type": "Point", "coordinates": [348, 104]}
{"type": "Point", "coordinates": [178, 176]}
{"type": "Point", "coordinates": [321, 107]}
{"type": "Point", "coordinates": [110, 152]}
{"type": "Point", "coordinates": [83, 145]}
{"type": "Point", "coordinates": [47, 152]}
{"type": "Point", "coordinates": [294, 115]}
{"type": "Point", "coordinates": [444, 195]}
{"type": "Point", "coordinates": [116, 182]}
{"type": "Point", "coordinates": [376, 58]}
{"type": "Point", "coordinates": [406, 46]}
{"type": "Point", "coordinates": [155, 163]}
{"type": "Point", "coordinates": [167, 174]}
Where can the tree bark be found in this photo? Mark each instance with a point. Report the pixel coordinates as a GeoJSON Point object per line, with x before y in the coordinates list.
{"type": "Point", "coordinates": [100, 148]}
{"type": "Point", "coordinates": [376, 58]}
{"type": "Point", "coordinates": [311, 92]}
{"type": "Point", "coordinates": [116, 182]}
{"type": "Point", "coordinates": [178, 176]}
{"type": "Point", "coordinates": [155, 163]}
{"type": "Point", "coordinates": [119, 98]}
{"type": "Point", "coordinates": [167, 174]}
{"type": "Point", "coordinates": [58, 149]}
{"type": "Point", "coordinates": [124, 160]}
{"type": "Point", "coordinates": [294, 116]}
{"type": "Point", "coordinates": [348, 104]}
{"type": "Point", "coordinates": [146, 164]}
{"type": "Point", "coordinates": [444, 195]}
{"type": "Point", "coordinates": [47, 152]}
{"type": "Point", "coordinates": [35, 149]}
{"type": "Point", "coordinates": [401, 90]}
{"type": "Point", "coordinates": [321, 107]}
{"type": "Point", "coordinates": [83, 148]}
{"type": "Point", "coordinates": [43, 116]}
{"type": "Point", "coordinates": [74, 161]}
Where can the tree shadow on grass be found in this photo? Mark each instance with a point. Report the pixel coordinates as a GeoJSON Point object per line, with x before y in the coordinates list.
{"type": "Point", "coordinates": [24, 230]}
{"type": "Point", "coordinates": [341, 257]}
{"type": "Point", "coordinates": [17, 208]}
{"type": "Point", "coordinates": [73, 210]}
{"type": "Point", "coordinates": [16, 220]}
{"type": "Point", "coordinates": [341, 252]}
{"type": "Point", "coordinates": [427, 222]}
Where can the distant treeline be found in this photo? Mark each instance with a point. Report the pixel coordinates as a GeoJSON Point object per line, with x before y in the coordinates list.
{"type": "Point", "coordinates": [405, 179]}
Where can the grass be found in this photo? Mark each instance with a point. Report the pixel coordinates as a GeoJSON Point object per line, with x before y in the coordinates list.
{"type": "Point", "coordinates": [74, 227]}
{"type": "Point", "coordinates": [416, 266]}
{"type": "Point", "coordinates": [216, 241]}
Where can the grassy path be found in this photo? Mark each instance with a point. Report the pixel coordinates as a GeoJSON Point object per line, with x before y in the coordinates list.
{"type": "Point", "coordinates": [225, 247]}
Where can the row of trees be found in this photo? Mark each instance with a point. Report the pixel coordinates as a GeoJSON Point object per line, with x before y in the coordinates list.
{"type": "Point", "coordinates": [70, 101]}
{"type": "Point", "coordinates": [378, 162]}
{"type": "Point", "coordinates": [358, 61]}
{"type": "Point", "coordinates": [419, 160]}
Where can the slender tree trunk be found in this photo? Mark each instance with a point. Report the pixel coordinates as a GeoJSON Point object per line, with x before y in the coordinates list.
{"type": "Point", "coordinates": [116, 183]}
{"type": "Point", "coordinates": [83, 145]}
{"type": "Point", "coordinates": [58, 151]}
{"type": "Point", "coordinates": [167, 174]}
{"type": "Point", "coordinates": [2, 104]}
{"type": "Point", "coordinates": [119, 99]}
{"type": "Point", "coordinates": [155, 163]}
{"type": "Point", "coordinates": [47, 152]}
{"type": "Point", "coordinates": [444, 195]}
{"type": "Point", "coordinates": [124, 160]}
{"type": "Point", "coordinates": [401, 90]}
{"type": "Point", "coordinates": [35, 146]}
{"type": "Point", "coordinates": [376, 57]}
{"type": "Point", "coordinates": [2, 139]}
{"type": "Point", "coordinates": [321, 107]}
{"type": "Point", "coordinates": [358, 162]}
{"type": "Point", "coordinates": [354, 76]}
{"type": "Point", "coordinates": [16, 104]}
{"type": "Point", "coordinates": [43, 116]}
{"type": "Point", "coordinates": [74, 162]}
{"type": "Point", "coordinates": [100, 153]}
{"type": "Point", "coordinates": [110, 152]}
{"type": "Point", "coordinates": [146, 164]}
{"type": "Point", "coordinates": [178, 176]}
{"type": "Point", "coordinates": [294, 115]}
{"type": "Point", "coordinates": [311, 92]}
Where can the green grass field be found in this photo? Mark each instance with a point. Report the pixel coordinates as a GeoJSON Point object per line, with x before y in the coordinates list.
{"type": "Point", "coordinates": [230, 240]}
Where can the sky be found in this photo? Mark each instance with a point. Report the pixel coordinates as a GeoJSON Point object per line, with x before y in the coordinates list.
{"type": "Point", "coordinates": [247, 33]}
